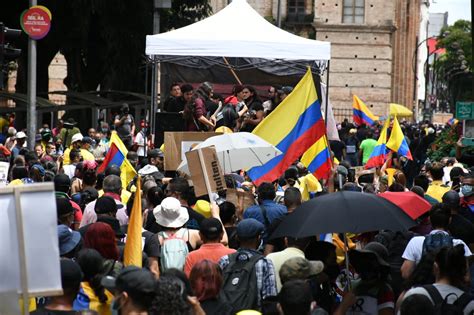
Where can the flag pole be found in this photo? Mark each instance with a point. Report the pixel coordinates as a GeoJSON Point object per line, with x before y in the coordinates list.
{"type": "Point", "coordinates": [326, 96]}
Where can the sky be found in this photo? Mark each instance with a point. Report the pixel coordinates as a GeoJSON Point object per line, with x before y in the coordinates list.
{"type": "Point", "coordinates": [457, 9]}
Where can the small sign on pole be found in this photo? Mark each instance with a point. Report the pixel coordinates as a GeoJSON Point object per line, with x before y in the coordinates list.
{"type": "Point", "coordinates": [36, 21]}
{"type": "Point", "coordinates": [206, 172]}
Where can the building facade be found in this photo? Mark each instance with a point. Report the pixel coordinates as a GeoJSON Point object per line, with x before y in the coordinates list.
{"type": "Point", "coordinates": [373, 45]}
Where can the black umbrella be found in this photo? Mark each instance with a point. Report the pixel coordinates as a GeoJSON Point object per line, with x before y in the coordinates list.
{"type": "Point", "coordinates": [343, 212]}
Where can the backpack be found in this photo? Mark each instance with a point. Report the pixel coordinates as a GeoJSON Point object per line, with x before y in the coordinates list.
{"type": "Point", "coordinates": [239, 286]}
{"type": "Point", "coordinates": [442, 307]}
{"type": "Point", "coordinates": [436, 241]}
{"type": "Point", "coordinates": [173, 250]}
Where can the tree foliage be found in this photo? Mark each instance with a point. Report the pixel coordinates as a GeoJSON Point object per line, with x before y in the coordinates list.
{"type": "Point", "coordinates": [454, 68]}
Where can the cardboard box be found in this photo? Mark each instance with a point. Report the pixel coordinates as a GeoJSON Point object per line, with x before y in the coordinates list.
{"type": "Point", "coordinates": [177, 143]}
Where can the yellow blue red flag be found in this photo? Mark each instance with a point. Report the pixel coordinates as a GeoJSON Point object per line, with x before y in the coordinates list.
{"type": "Point", "coordinates": [379, 154]}
{"type": "Point", "coordinates": [397, 141]}
{"type": "Point", "coordinates": [361, 113]}
{"type": "Point", "coordinates": [295, 126]}
{"type": "Point", "coordinates": [117, 155]}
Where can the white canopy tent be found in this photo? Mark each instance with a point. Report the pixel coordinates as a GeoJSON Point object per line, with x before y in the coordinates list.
{"type": "Point", "coordinates": [236, 31]}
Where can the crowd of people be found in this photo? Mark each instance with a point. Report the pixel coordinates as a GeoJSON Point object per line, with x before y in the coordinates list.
{"type": "Point", "coordinates": [204, 256]}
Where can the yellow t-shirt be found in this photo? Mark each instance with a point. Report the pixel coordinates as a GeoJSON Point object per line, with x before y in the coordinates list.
{"type": "Point", "coordinates": [437, 189]}
{"type": "Point", "coordinates": [86, 156]}
{"type": "Point", "coordinates": [308, 184]}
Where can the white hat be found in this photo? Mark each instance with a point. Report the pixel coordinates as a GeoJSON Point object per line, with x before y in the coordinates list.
{"type": "Point", "coordinates": [170, 213]}
{"type": "Point", "coordinates": [148, 170]}
{"type": "Point", "coordinates": [20, 135]}
{"type": "Point", "coordinates": [76, 137]}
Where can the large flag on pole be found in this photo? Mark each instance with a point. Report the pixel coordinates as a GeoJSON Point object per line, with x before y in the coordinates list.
{"type": "Point", "coordinates": [397, 141]}
{"type": "Point", "coordinates": [293, 127]}
{"type": "Point", "coordinates": [133, 245]}
{"type": "Point", "coordinates": [117, 155]}
{"type": "Point", "coordinates": [361, 113]}
{"type": "Point", "coordinates": [379, 154]}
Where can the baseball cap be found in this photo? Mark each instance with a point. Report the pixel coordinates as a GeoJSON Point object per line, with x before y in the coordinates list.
{"type": "Point", "coordinates": [106, 204]}
{"type": "Point", "coordinates": [211, 228]}
{"type": "Point", "coordinates": [88, 140]}
{"type": "Point", "coordinates": [155, 153]}
{"type": "Point", "coordinates": [300, 268]}
{"type": "Point", "coordinates": [287, 89]}
{"type": "Point", "coordinates": [63, 207]}
{"type": "Point", "coordinates": [68, 239]}
{"type": "Point", "coordinates": [76, 137]}
{"type": "Point", "coordinates": [62, 180]}
{"type": "Point", "coordinates": [249, 228]}
{"type": "Point", "coordinates": [20, 135]}
{"type": "Point", "coordinates": [133, 280]}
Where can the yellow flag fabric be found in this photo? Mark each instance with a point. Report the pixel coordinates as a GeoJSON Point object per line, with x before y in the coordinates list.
{"type": "Point", "coordinates": [133, 244]}
{"type": "Point", "coordinates": [127, 171]}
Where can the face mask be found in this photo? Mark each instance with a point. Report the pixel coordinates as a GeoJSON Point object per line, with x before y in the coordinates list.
{"type": "Point", "coordinates": [466, 190]}
{"type": "Point", "coordinates": [105, 130]}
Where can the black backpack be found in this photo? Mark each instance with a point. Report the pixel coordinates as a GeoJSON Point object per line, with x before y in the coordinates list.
{"type": "Point", "coordinates": [239, 287]}
{"type": "Point", "coordinates": [442, 307]}
{"type": "Point", "coordinates": [436, 241]}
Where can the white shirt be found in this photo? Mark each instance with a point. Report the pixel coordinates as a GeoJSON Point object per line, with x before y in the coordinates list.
{"type": "Point", "coordinates": [140, 140]}
{"type": "Point", "coordinates": [444, 290]}
{"type": "Point", "coordinates": [89, 216]}
{"type": "Point", "coordinates": [69, 170]}
{"type": "Point", "coordinates": [414, 249]}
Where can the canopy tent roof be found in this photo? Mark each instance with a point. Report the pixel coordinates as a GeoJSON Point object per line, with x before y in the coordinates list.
{"type": "Point", "coordinates": [236, 31]}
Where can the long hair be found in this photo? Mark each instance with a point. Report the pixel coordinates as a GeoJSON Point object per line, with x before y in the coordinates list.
{"type": "Point", "coordinates": [101, 237]}
{"type": "Point", "coordinates": [91, 263]}
{"type": "Point", "coordinates": [206, 280]}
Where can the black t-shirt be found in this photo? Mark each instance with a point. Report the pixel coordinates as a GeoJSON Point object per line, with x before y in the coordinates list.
{"type": "Point", "coordinates": [278, 243]}
{"type": "Point", "coordinates": [173, 104]}
{"type": "Point", "coordinates": [216, 306]}
{"type": "Point", "coordinates": [152, 246]}
{"type": "Point", "coordinates": [253, 108]}
{"type": "Point", "coordinates": [461, 228]}
{"type": "Point", "coordinates": [337, 147]}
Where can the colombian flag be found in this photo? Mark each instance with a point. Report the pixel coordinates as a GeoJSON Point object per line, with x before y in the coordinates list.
{"type": "Point", "coordinates": [378, 156]}
{"type": "Point", "coordinates": [397, 142]}
{"type": "Point", "coordinates": [361, 114]}
{"type": "Point", "coordinates": [117, 155]}
{"type": "Point", "coordinates": [295, 126]}
{"type": "Point", "coordinates": [133, 245]}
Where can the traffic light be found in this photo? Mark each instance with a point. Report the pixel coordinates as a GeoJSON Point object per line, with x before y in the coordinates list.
{"type": "Point", "coordinates": [7, 52]}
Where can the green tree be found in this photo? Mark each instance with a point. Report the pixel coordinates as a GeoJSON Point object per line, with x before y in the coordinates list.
{"type": "Point", "coordinates": [454, 68]}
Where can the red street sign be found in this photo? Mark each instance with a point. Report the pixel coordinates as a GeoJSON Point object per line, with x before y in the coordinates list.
{"type": "Point", "coordinates": [36, 22]}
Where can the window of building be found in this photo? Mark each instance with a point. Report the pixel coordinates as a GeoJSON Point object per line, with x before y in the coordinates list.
{"type": "Point", "coordinates": [353, 11]}
{"type": "Point", "coordinates": [296, 7]}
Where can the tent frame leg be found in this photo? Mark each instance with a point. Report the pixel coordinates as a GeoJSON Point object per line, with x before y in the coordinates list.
{"type": "Point", "coordinates": [327, 95]}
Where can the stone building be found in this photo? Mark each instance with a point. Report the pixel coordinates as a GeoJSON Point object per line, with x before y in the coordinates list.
{"type": "Point", "coordinates": [373, 45]}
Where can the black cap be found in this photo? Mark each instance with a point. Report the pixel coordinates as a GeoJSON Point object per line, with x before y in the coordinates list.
{"type": "Point", "coordinates": [71, 274]}
{"type": "Point", "coordinates": [63, 207]}
{"type": "Point", "coordinates": [155, 153]}
{"type": "Point", "coordinates": [106, 204]}
{"type": "Point", "coordinates": [62, 180]}
{"type": "Point", "coordinates": [132, 280]}
{"type": "Point", "coordinates": [211, 228]}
